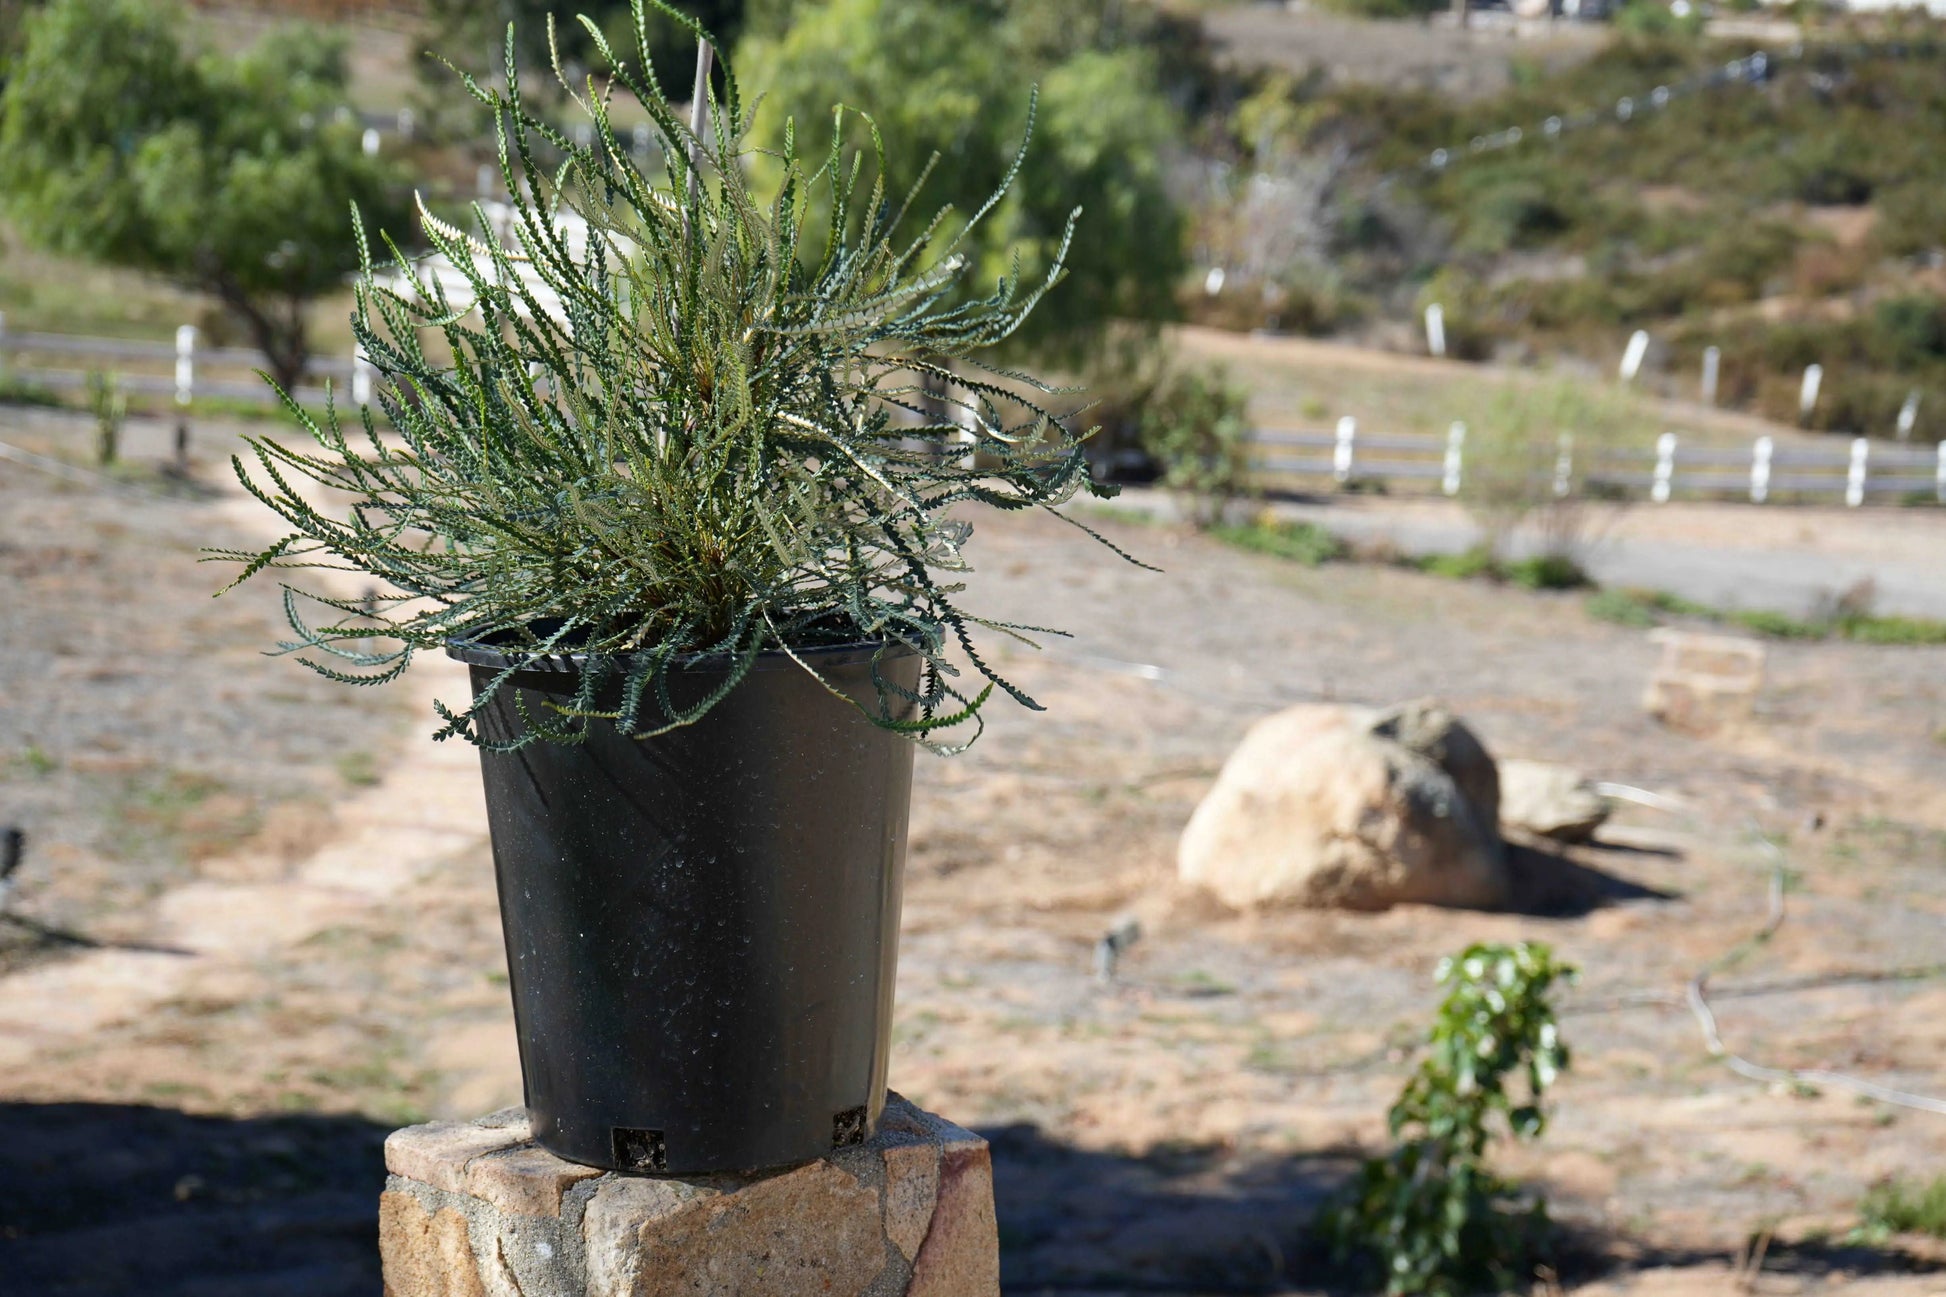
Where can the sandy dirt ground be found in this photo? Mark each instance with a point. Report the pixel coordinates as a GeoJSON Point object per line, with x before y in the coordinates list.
{"type": "Point", "coordinates": [192, 1092]}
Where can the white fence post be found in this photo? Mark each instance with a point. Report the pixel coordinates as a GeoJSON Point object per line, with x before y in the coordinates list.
{"type": "Point", "coordinates": [1564, 466]}
{"type": "Point", "coordinates": [1908, 415]}
{"type": "Point", "coordinates": [1436, 329]}
{"type": "Point", "coordinates": [1712, 367]}
{"type": "Point", "coordinates": [1807, 395]}
{"type": "Point", "coordinates": [1939, 476]}
{"type": "Point", "coordinates": [369, 142]}
{"type": "Point", "coordinates": [1665, 467]}
{"type": "Point", "coordinates": [1638, 349]}
{"type": "Point", "coordinates": [1760, 454]}
{"type": "Point", "coordinates": [185, 364]}
{"type": "Point", "coordinates": [1343, 454]}
{"type": "Point", "coordinates": [185, 391]}
{"type": "Point", "coordinates": [1449, 478]}
{"type": "Point", "coordinates": [361, 376]}
{"type": "Point", "coordinates": [1861, 451]}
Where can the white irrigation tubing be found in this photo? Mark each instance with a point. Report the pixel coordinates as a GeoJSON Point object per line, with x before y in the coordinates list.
{"type": "Point", "coordinates": [66, 471]}
{"type": "Point", "coordinates": [1752, 70]}
{"type": "Point", "coordinates": [1696, 993]}
{"type": "Point", "coordinates": [1706, 1019]}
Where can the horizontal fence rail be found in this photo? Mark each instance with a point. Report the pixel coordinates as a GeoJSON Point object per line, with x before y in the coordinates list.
{"type": "Point", "coordinates": [69, 362]}
{"type": "Point", "coordinates": [1854, 472]}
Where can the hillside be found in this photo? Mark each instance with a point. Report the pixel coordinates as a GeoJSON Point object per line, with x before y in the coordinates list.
{"type": "Point", "coordinates": [1788, 211]}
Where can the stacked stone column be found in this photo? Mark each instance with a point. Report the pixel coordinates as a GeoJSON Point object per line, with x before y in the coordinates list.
{"type": "Point", "coordinates": [479, 1210]}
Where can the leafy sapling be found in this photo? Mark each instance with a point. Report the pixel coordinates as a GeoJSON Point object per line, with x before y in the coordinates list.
{"type": "Point", "coordinates": [1431, 1211]}
{"type": "Point", "coordinates": [668, 418]}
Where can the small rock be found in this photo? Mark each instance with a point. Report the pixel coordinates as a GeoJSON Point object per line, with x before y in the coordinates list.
{"type": "Point", "coordinates": [1550, 801]}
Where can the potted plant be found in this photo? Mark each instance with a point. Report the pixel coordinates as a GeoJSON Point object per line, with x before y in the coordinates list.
{"type": "Point", "coordinates": [665, 484]}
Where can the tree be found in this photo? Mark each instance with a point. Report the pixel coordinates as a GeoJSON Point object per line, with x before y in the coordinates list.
{"type": "Point", "coordinates": [956, 77]}
{"type": "Point", "coordinates": [234, 176]}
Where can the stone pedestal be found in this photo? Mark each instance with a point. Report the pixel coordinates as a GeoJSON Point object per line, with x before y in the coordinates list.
{"type": "Point", "coordinates": [1704, 683]}
{"type": "Point", "coordinates": [479, 1210]}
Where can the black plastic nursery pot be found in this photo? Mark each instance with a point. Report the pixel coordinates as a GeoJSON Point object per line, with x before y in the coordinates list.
{"type": "Point", "coordinates": [702, 927]}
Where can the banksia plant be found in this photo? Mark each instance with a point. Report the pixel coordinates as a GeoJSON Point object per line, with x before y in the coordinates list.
{"type": "Point", "coordinates": [708, 429]}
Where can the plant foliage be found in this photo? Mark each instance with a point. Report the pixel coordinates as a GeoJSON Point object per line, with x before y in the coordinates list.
{"type": "Point", "coordinates": [1431, 1210]}
{"type": "Point", "coordinates": [696, 430]}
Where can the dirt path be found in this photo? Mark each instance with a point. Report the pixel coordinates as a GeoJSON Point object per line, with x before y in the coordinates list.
{"type": "Point", "coordinates": [1793, 561]}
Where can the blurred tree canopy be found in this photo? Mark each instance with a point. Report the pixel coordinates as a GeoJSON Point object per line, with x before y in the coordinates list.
{"type": "Point", "coordinates": [955, 77]}
{"type": "Point", "coordinates": [472, 34]}
{"type": "Point", "coordinates": [231, 175]}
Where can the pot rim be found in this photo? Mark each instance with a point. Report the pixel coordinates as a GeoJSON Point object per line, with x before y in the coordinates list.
{"type": "Point", "coordinates": [822, 655]}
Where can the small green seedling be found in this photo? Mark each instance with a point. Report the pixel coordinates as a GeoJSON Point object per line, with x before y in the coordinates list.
{"type": "Point", "coordinates": [1431, 1211]}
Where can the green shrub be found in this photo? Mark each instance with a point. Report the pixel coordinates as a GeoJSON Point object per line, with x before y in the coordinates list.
{"type": "Point", "coordinates": [1300, 542]}
{"type": "Point", "coordinates": [1637, 607]}
{"type": "Point", "coordinates": [20, 391]}
{"type": "Point", "coordinates": [1467, 565]}
{"type": "Point", "coordinates": [1548, 572]}
{"type": "Point", "coordinates": [1914, 326]}
{"type": "Point", "coordinates": [1431, 1215]}
{"type": "Point", "coordinates": [1777, 625]}
{"type": "Point", "coordinates": [1892, 630]}
{"type": "Point", "coordinates": [1655, 19]}
{"type": "Point", "coordinates": [1905, 1207]}
{"type": "Point", "coordinates": [1912, 217]}
{"type": "Point", "coordinates": [1193, 426]}
{"type": "Point", "coordinates": [110, 406]}
{"type": "Point", "coordinates": [1634, 606]}
{"type": "Point", "coordinates": [1622, 608]}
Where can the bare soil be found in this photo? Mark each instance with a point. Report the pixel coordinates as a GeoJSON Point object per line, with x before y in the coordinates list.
{"type": "Point", "coordinates": [1169, 1131]}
